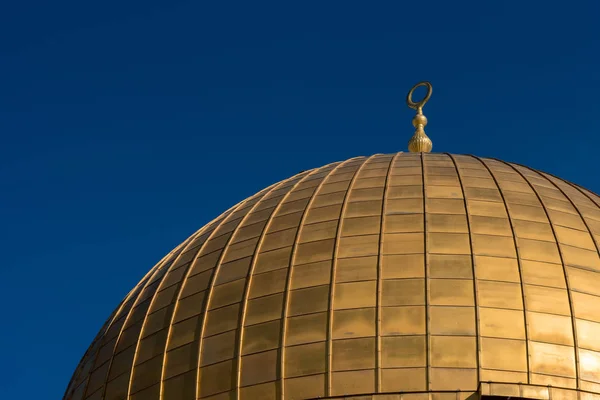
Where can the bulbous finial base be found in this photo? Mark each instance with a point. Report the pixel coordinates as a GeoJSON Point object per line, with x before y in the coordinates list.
{"type": "Point", "coordinates": [420, 143]}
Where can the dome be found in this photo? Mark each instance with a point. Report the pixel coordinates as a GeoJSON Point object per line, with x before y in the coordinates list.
{"type": "Point", "coordinates": [395, 276]}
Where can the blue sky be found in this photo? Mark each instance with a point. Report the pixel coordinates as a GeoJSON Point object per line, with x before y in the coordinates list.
{"type": "Point", "coordinates": [125, 126]}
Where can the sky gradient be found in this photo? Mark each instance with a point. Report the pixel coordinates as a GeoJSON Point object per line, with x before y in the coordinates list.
{"type": "Point", "coordinates": [126, 126]}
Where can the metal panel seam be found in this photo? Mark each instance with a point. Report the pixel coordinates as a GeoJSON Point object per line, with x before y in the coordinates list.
{"type": "Point", "coordinates": [562, 260]}
{"type": "Point", "coordinates": [214, 275]}
{"type": "Point", "coordinates": [243, 309]}
{"type": "Point", "coordinates": [379, 274]}
{"type": "Point", "coordinates": [426, 278]}
{"type": "Point", "coordinates": [332, 278]}
{"type": "Point", "coordinates": [512, 228]}
{"type": "Point", "coordinates": [286, 296]}
{"type": "Point", "coordinates": [473, 266]}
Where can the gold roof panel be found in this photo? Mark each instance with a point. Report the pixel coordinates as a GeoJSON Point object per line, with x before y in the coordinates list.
{"type": "Point", "coordinates": [411, 275]}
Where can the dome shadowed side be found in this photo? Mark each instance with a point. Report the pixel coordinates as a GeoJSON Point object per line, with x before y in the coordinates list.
{"type": "Point", "coordinates": [394, 273]}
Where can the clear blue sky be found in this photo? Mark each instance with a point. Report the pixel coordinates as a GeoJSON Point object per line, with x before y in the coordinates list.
{"type": "Point", "coordinates": [125, 126]}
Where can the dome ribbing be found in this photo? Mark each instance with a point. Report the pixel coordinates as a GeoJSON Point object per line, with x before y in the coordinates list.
{"type": "Point", "coordinates": [402, 273]}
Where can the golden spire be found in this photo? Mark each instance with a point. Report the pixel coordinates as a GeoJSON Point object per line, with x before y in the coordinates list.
{"type": "Point", "coordinates": [420, 142]}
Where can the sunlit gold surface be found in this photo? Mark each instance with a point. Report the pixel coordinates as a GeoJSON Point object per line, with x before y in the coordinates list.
{"type": "Point", "coordinates": [394, 273]}
{"type": "Point", "coordinates": [419, 142]}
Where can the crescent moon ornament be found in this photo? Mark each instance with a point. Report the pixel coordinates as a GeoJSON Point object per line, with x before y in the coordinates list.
{"type": "Point", "coordinates": [418, 104]}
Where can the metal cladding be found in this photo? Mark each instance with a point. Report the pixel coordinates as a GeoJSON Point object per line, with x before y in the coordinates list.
{"type": "Point", "coordinates": [415, 275]}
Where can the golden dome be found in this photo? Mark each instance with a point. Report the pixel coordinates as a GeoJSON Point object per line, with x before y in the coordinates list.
{"type": "Point", "coordinates": [433, 275]}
